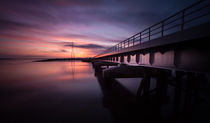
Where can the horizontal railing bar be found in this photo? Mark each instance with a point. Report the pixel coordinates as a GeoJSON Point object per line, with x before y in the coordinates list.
{"type": "Point", "coordinates": [156, 33]}
{"type": "Point", "coordinates": [156, 24]}
{"type": "Point", "coordinates": [173, 21]}
{"type": "Point", "coordinates": [156, 28]}
{"type": "Point", "coordinates": [197, 17]}
{"type": "Point", "coordinates": [180, 11]}
{"type": "Point", "coordinates": [137, 37]}
{"type": "Point", "coordinates": [177, 25]}
{"type": "Point", "coordinates": [197, 10]}
{"type": "Point", "coordinates": [160, 22]}
{"type": "Point", "coordinates": [148, 32]}
{"type": "Point", "coordinates": [145, 34]}
{"type": "Point", "coordinates": [144, 37]}
{"type": "Point", "coordinates": [147, 29]}
{"type": "Point", "coordinates": [197, 3]}
{"type": "Point", "coordinates": [136, 40]}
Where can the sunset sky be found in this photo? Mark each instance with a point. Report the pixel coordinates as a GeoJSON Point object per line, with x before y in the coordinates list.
{"type": "Point", "coordinates": [46, 28]}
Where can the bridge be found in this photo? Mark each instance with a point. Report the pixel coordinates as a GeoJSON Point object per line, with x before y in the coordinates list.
{"type": "Point", "coordinates": [174, 51]}
{"type": "Point", "coordinates": [179, 42]}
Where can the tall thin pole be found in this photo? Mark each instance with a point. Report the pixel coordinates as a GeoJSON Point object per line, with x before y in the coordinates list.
{"type": "Point", "coordinates": [72, 51]}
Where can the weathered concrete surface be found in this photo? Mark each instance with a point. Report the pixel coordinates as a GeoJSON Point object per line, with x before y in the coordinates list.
{"type": "Point", "coordinates": [182, 36]}
{"type": "Point", "coordinates": [187, 50]}
{"type": "Point", "coordinates": [125, 71]}
{"type": "Point", "coordinates": [191, 56]}
{"type": "Point", "coordinates": [103, 63]}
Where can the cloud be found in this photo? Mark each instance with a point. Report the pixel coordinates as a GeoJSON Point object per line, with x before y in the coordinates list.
{"type": "Point", "coordinates": [91, 24]}
{"type": "Point", "coordinates": [91, 36]}
{"type": "Point", "coordinates": [63, 50]}
{"type": "Point", "coordinates": [55, 51]}
{"type": "Point", "coordinates": [9, 24]}
{"type": "Point", "coordinates": [21, 56]}
{"type": "Point", "coordinates": [86, 46]}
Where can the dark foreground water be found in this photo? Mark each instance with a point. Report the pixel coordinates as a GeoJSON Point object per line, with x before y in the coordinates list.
{"type": "Point", "coordinates": [69, 92]}
{"type": "Point", "coordinates": [51, 92]}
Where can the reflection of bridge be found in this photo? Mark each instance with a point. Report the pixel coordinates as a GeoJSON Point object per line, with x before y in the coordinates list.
{"type": "Point", "coordinates": [174, 51]}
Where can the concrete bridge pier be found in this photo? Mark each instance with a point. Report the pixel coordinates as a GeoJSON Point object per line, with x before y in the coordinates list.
{"type": "Point", "coordinates": [185, 88]}
{"type": "Point", "coordinates": [126, 71]}
{"type": "Point", "coordinates": [143, 90]}
{"type": "Point", "coordinates": [177, 93]}
{"type": "Point", "coordinates": [187, 93]}
{"type": "Point", "coordinates": [100, 65]}
{"type": "Point", "coordinates": [185, 51]}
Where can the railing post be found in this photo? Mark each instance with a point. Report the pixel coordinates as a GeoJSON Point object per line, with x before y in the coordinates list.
{"type": "Point", "coordinates": [162, 28]}
{"type": "Point", "coordinates": [128, 58]}
{"type": "Point", "coordinates": [140, 38]}
{"type": "Point", "coordinates": [133, 41]}
{"type": "Point", "coordinates": [128, 43]}
{"type": "Point", "coordinates": [122, 58]}
{"type": "Point", "coordinates": [149, 33]}
{"type": "Point", "coordinates": [137, 58]}
{"type": "Point", "coordinates": [182, 25]}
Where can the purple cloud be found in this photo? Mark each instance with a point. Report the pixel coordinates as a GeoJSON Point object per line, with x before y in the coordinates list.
{"type": "Point", "coordinates": [86, 46]}
{"type": "Point", "coordinates": [97, 23]}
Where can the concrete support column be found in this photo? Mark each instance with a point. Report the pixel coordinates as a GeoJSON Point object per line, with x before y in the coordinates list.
{"type": "Point", "coordinates": [162, 88]}
{"type": "Point", "coordinates": [143, 90]}
{"type": "Point", "coordinates": [178, 91]}
{"type": "Point", "coordinates": [137, 58]}
{"type": "Point", "coordinates": [188, 97]}
{"type": "Point", "coordinates": [128, 58]}
{"type": "Point", "coordinates": [151, 58]}
{"type": "Point", "coordinates": [122, 58]}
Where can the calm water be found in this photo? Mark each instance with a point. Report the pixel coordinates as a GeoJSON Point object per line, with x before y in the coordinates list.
{"type": "Point", "coordinates": [61, 92]}
{"type": "Point", "coordinates": [52, 92]}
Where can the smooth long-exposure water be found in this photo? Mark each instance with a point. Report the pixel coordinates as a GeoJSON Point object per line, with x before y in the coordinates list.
{"type": "Point", "coordinates": [72, 92]}
{"type": "Point", "coordinates": [50, 92]}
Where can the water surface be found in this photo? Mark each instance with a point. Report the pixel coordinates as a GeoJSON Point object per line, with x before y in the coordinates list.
{"type": "Point", "coordinates": [73, 92]}
{"type": "Point", "coordinates": [50, 92]}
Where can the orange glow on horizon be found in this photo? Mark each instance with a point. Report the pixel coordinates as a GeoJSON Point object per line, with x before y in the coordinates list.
{"type": "Point", "coordinates": [49, 46]}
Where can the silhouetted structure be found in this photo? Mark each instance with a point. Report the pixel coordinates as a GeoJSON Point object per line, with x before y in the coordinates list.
{"type": "Point", "coordinates": [72, 50]}
{"type": "Point", "coordinates": [174, 52]}
{"type": "Point", "coordinates": [177, 42]}
{"type": "Point", "coordinates": [171, 100]}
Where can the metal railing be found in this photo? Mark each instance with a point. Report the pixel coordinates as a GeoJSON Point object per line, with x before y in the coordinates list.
{"type": "Point", "coordinates": [177, 22]}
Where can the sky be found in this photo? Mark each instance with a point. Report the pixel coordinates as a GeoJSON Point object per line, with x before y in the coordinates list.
{"type": "Point", "coordinates": [47, 28]}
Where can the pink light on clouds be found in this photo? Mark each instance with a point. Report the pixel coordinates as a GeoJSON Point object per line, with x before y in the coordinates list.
{"type": "Point", "coordinates": [44, 28]}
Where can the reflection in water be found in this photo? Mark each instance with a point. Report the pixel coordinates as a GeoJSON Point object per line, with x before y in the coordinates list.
{"type": "Point", "coordinates": [180, 100]}
{"type": "Point", "coordinates": [69, 92]}
{"type": "Point", "coordinates": [120, 101]}
{"type": "Point", "coordinates": [52, 92]}
{"type": "Point", "coordinates": [73, 69]}
{"type": "Point", "coordinates": [123, 104]}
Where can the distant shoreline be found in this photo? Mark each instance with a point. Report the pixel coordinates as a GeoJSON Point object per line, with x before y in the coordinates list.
{"type": "Point", "coordinates": [65, 59]}
{"type": "Point", "coordinates": [51, 59]}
